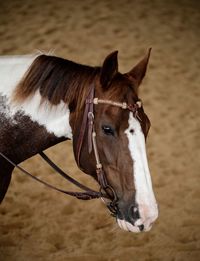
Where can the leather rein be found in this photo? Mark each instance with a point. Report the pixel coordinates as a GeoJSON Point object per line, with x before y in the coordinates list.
{"type": "Point", "coordinates": [106, 191]}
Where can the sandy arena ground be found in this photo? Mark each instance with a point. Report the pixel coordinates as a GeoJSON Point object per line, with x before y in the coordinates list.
{"type": "Point", "coordinates": [39, 224]}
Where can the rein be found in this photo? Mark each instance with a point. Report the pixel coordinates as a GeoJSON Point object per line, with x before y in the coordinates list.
{"type": "Point", "coordinates": [106, 191]}
{"type": "Point", "coordinates": [86, 195]}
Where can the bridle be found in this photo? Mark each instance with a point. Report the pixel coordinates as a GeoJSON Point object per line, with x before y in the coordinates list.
{"type": "Point", "coordinates": [88, 124]}
{"type": "Point", "coordinates": [106, 191]}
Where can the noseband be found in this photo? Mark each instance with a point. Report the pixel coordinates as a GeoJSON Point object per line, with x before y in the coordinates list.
{"type": "Point", "coordinates": [88, 125]}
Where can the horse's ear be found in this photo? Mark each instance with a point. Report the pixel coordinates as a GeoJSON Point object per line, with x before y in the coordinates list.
{"type": "Point", "coordinates": [109, 69]}
{"type": "Point", "coordinates": [138, 72]}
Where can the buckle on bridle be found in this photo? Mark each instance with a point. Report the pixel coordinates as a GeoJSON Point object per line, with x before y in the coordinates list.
{"type": "Point", "coordinates": [90, 116]}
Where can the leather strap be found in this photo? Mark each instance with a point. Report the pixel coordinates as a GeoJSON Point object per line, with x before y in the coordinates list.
{"type": "Point", "coordinates": [85, 122]}
{"type": "Point", "coordinates": [87, 195]}
{"type": "Point", "coordinates": [63, 174]}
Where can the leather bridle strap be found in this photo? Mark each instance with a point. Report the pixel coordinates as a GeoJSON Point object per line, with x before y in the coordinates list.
{"type": "Point", "coordinates": [86, 195]}
{"type": "Point", "coordinates": [63, 174]}
{"type": "Point", "coordinates": [123, 105]}
{"type": "Point", "coordinates": [84, 124]}
{"type": "Point", "coordinates": [88, 121]}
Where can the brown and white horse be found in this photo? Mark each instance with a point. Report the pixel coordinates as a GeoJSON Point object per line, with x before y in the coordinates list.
{"type": "Point", "coordinates": [42, 102]}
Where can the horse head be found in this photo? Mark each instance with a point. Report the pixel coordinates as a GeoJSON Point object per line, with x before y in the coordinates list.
{"type": "Point", "coordinates": [120, 144]}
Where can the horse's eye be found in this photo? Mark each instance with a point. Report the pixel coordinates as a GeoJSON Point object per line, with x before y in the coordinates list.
{"type": "Point", "coordinates": [108, 130]}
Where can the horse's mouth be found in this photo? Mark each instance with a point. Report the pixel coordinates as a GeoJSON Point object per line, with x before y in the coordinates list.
{"type": "Point", "coordinates": [137, 228]}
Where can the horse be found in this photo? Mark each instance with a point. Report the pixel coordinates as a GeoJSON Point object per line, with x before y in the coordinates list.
{"type": "Point", "coordinates": [45, 99]}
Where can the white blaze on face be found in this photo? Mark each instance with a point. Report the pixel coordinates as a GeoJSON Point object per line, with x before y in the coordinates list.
{"type": "Point", "coordinates": [144, 197]}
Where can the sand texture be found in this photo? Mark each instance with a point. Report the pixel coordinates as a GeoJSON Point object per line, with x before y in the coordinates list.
{"type": "Point", "coordinates": [39, 224]}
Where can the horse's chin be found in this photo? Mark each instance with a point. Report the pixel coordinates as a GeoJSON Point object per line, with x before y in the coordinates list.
{"type": "Point", "coordinates": [127, 226]}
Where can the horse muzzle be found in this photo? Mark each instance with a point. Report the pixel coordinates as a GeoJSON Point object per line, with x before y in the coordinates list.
{"type": "Point", "coordinates": [134, 219]}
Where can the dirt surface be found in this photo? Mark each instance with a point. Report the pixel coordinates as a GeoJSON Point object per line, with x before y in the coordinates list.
{"type": "Point", "coordinates": [39, 224]}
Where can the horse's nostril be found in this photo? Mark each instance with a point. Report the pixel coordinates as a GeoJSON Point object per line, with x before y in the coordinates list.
{"type": "Point", "coordinates": [141, 227]}
{"type": "Point", "coordinates": [136, 214]}
{"type": "Point", "coordinates": [133, 213]}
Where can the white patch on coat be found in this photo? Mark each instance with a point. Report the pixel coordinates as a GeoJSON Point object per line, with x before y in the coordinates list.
{"type": "Point", "coordinates": [54, 118]}
{"type": "Point", "coordinates": [144, 197]}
